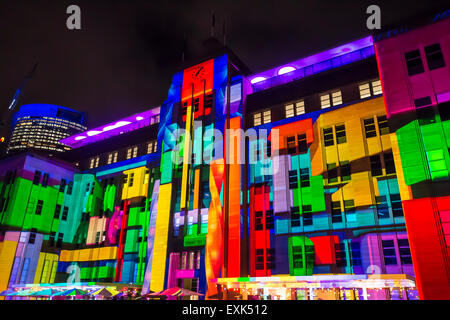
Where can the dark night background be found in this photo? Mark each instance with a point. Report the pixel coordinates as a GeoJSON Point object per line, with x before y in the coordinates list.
{"type": "Point", "coordinates": [123, 58]}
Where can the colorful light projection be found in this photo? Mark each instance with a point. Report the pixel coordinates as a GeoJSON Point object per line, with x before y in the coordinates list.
{"type": "Point", "coordinates": [316, 59]}
{"type": "Point", "coordinates": [106, 131]}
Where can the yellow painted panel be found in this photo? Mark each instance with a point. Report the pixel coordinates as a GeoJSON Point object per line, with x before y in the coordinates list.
{"type": "Point", "coordinates": [405, 190]}
{"type": "Point", "coordinates": [94, 254]}
{"type": "Point", "coordinates": [186, 157]}
{"type": "Point", "coordinates": [161, 235]}
{"type": "Point", "coordinates": [84, 255]}
{"type": "Point", "coordinates": [6, 262]}
{"type": "Point", "coordinates": [107, 253]}
{"type": "Point", "coordinates": [316, 150]}
{"type": "Point", "coordinates": [138, 189]}
{"type": "Point", "coordinates": [40, 265]}
{"type": "Point", "coordinates": [196, 188]}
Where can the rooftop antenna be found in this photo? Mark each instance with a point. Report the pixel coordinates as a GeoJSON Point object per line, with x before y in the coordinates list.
{"type": "Point", "coordinates": [213, 23]}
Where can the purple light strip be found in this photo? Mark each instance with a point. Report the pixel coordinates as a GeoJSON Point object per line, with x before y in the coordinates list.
{"type": "Point", "coordinates": [316, 58]}
{"type": "Point", "coordinates": [106, 131]}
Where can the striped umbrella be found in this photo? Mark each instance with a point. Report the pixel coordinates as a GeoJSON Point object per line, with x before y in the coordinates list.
{"type": "Point", "coordinates": [105, 292]}
{"type": "Point", "coordinates": [8, 292]}
{"type": "Point", "coordinates": [176, 292]}
{"type": "Point", "coordinates": [71, 292]}
{"type": "Point", "coordinates": [24, 293]}
{"type": "Point", "coordinates": [45, 292]}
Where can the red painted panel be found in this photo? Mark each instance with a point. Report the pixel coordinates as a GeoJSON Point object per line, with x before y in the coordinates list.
{"type": "Point", "coordinates": [259, 239]}
{"type": "Point", "coordinates": [428, 249]}
{"type": "Point", "coordinates": [197, 81]}
{"type": "Point", "coordinates": [291, 129]}
{"type": "Point", "coordinates": [324, 249]}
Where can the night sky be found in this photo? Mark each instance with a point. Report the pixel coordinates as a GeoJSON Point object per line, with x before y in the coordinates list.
{"type": "Point", "coordinates": [123, 58]}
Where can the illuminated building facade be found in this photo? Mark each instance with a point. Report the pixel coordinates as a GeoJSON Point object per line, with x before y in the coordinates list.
{"type": "Point", "coordinates": [300, 182]}
{"type": "Point", "coordinates": [417, 98]}
{"type": "Point", "coordinates": [40, 127]}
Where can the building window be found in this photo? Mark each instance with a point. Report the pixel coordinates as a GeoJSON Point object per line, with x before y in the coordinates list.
{"type": "Point", "coordinates": [297, 257]}
{"type": "Point", "coordinates": [382, 207]}
{"type": "Point", "coordinates": [356, 254]}
{"type": "Point", "coordinates": [332, 173]}
{"type": "Point", "coordinates": [390, 257]}
{"type": "Point", "coordinates": [302, 143]}
{"type": "Point", "coordinates": [267, 116]}
{"type": "Point", "coordinates": [405, 253]}
{"type": "Point", "coordinates": [307, 215]}
{"type": "Point", "coordinates": [39, 206]}
{"type": "Point", "coordinates": [270, 222]}
{"type": "Point", "coordinates": [130, 182]}
{"type": "Point", "coordinates": [257, 119]}
{"type": "Point", "coordinates": [191, 260]}
{"type": "Point", "coordinates": [65, 213]}
{"type": "Point", "coordinates": [325, 101]}
{"type": "Point", "coordinates": [295, 217]}
{"type": "Point", "coordinates": [129, 152]}
{"type": "Point", "coordinates": [151, 147]}
{"type": "Point", "coordinates": [370, 88]}
{"type": "Point", "coordinates": [336, 98]}
{"type": "Point", "coordinates": [289, 108]}
{"type": "Point", "coordinates": [270, 258]}
{"type": "Point", "coordinates": [389, 162]}
{"type": "Point", "coordinates": [94, 162]}
{"type": "Point", "coordinates": [304, 178]}
{"type": "Point", "coordinates": [435, 59]}
{"type": "Point", "coordinates": [340, 134]}
{"type": "Point", "coordinates": [57, 211]}
{"type": "Point", "coordinates": [146, 176]}
{"type": "Point", "coordinates": [112, 157]}
{"type": "Point", "coordinates": [336, 214]}
{"type": "Point", "coordinates": [383, 126]}
{"type": "Point", "coordinates": [328, 137]}
{"type": "Point", "coordinates": [51, 239]}
{"type": "Point", "coordinates": [259, 220]}
{"type": "Point", "coordinates": [32, 238]}
{"type": "Point", "coordinates": [345, 170]}
{"type": "Point", "coordinates": [364, 90]}
{"type": "Point", "coordinates": [341, 257]}
{"type": "Point", "coordinates": [70, 187]}
{"type": "Point", "coordinates": [135, 150]}
{"type": "Point", "coordinates": [183, 260]}
{"type": "Point", "coordinates": [37, 177]}
{"type": "Point", "coordinates": [396, 202]}
{"type": "Point", "coordinates": [369, 128]}
{"type": "Point", "coordinates": [414, 62]}
{"type": "Point", "coordinates": [62, 186]}
{"type": "Point", "coordinates": [45, 180]}
{"type": "Point", "coordinates": [349, 209]}
{"type": "Point", "coordinates": [300, 107]}
{"type": "Point", "coordinates": [295, 109]}
{"type": "Point", "coordinates": [259, 259]}
{"type": "Point", "coordinates": [293, 180]}
{"type": "Point", "coordinates": [375, 166]}
{"type": "Point", "coordinates": [376, 87]}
